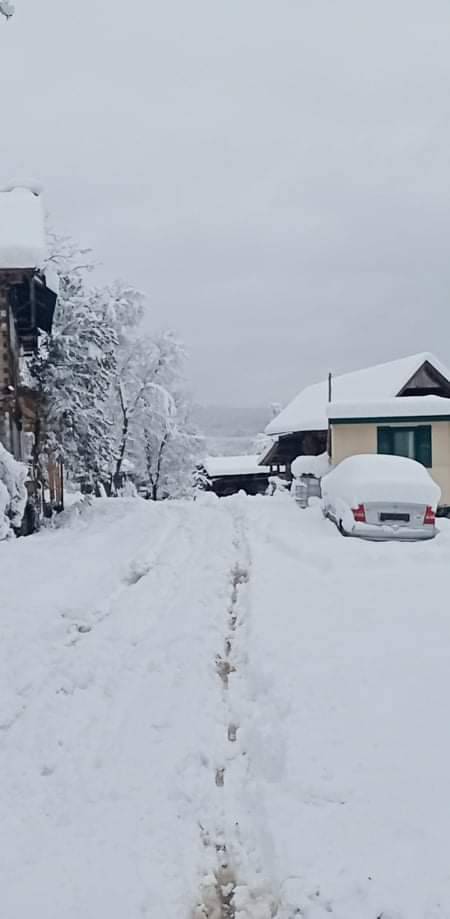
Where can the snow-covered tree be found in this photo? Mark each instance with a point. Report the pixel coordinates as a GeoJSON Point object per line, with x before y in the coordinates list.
{"type": "Point", "coordinates": [77, 366]}
{"type": "Point", "coordinates": [146, 370]}
{"type": "Point", "coordinates": [111, 400]}
{"type": "Point", "coordinates": [169, 449]}
{"type": "Point", "coordinates": [154, 437]}
{"type": "Point", "coordinates": [74, 369]}
{"type": "Point", "coordinates": [7, 9]}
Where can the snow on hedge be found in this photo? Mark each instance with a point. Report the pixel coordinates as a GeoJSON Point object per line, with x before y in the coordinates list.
{"type": "Point", "coordinates": [13, 494]}
{"type": "Point", "coordinates": [361, 479]}
{"type": "Point", "coordinates": [22, 229]}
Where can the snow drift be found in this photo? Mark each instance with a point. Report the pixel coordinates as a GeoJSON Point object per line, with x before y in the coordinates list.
{"type": "Point", "coordinates": [221, 708]}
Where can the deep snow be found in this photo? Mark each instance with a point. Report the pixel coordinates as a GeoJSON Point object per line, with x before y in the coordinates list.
{"type": "Point", "coordinates": [222, 692]}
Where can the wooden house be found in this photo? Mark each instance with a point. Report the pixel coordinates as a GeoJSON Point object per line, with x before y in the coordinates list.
{"type": "Point", "coordinates": [27, 304]}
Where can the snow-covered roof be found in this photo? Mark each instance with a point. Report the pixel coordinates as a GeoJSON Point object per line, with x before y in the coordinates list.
{"type": "Point", "coordinates": [22, 229]}
{"type": "Point", "coordinates": [406, 407]}
{"type": "Point", "coordinates": [308, 411]}
{"type": "Point", "coordinates": [217, 466]}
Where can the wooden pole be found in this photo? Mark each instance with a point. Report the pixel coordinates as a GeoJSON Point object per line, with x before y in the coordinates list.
{"type": "Point", "coordinates": [330, 396]}
{"type": "Point", "coordinates": [61, 479]}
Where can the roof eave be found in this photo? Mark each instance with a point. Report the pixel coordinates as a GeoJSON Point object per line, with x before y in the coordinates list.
{"type": "Point", "coordinates": [391, 419]}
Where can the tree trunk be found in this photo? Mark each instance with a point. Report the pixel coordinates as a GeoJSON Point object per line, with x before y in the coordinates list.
{"type": "Point", "coordinates": [157, 476]}
{"type": "Point", "coordinates": [116, 476]}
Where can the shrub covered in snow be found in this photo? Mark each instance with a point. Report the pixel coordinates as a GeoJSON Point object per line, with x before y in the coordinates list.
{"type": "Point", "coordinates": [277, 485]}
{"type": "Point", "coordinates": [13, 494]}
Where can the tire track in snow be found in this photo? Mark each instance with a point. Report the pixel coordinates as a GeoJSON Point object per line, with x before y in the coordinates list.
{"type": "Point", "coordinates": [123, 763]}
{"type": "Point", "coordinates": [230, 893]}
{"type": "Point", "coordinates": [81, 626]}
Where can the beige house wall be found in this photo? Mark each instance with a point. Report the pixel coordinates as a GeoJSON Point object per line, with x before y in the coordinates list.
{"type": "Point", "coordinates": [355, 439]}
{"type": "Point", "coordinates": [440, 447]}
{"type": "Point", "coordinates": [352, 440]}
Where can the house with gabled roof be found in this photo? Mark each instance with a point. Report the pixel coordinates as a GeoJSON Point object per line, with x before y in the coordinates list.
{"type": "Point", "coordinates": [401, 407]}
{"type": "Point", "coordinates": [28, 294]}
{"type": "Point", "coordinates": [27, 304]}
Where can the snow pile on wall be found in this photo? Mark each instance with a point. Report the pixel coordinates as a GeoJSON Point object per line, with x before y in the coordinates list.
{"type": "Point", "coordinates": [13, 494]}
{"type": "Point", "coordinates": [22, 229]}
{"type": "Point", "coordinates": [311, 465]}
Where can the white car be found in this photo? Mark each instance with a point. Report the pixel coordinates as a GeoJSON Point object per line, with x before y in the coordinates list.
{"type": "Point", "coordinates": [381, 497]}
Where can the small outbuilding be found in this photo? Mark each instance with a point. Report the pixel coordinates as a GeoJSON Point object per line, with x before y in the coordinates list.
{"type": "Point", "coordinates": [227, 475]}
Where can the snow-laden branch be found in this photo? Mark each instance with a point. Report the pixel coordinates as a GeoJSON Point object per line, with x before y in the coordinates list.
{"type": "Point", "coordinates": [6, 9]}
{"type": "Point", "coordinates": [169, 404]}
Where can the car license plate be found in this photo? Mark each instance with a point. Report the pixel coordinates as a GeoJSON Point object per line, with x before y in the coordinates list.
{"type": "Point", "coordinates": [394, 518]}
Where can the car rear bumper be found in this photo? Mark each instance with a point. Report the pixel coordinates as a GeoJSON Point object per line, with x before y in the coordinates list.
{"type": "Point", "coordinates": [384, 531]}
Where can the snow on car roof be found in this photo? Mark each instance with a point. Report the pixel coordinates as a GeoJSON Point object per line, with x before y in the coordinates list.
{"type": "Point", "coordinates": [379, 466]}
{"type": "Point", "coordinates": [308, 411]}
{"type": "Point", "coordinates": [234, 465]}
{"type": "Point", "coordinates": [404, 407]}
{"type": "Point", "coordinates": [22, 229]}
{"type": "Point", "coordinates": [378, 477]}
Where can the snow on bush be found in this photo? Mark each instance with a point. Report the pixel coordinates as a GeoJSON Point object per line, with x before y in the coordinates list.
{"type": "Point", "coordinates": [311, 465]}
{"type": "Point", "coordinates": [277, 485]}
{"type": "Point", "coordinates": [13, 494]}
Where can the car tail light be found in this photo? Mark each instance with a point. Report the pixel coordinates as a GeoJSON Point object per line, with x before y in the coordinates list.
{"type": "Point", "coordinates": [430, 517]}
{"type": "Point", "coordinates": [359, 513]}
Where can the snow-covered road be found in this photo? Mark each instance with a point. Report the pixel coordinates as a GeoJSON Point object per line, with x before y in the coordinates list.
{"type": "Point", "coordinates": [223, 709]}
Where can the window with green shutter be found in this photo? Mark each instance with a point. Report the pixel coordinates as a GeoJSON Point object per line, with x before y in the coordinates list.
{"type": "Point", "coordinates": [413, 442]}
{"type": "Point", "coordinates": [423, 445]}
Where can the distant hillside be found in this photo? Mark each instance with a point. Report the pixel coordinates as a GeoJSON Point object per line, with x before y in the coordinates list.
{"type": "Point", "coordinates": [230, 429]}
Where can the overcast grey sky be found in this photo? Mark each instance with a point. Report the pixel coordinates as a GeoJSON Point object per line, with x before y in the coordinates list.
{"type": "Point", "coordinates": [274, 175]}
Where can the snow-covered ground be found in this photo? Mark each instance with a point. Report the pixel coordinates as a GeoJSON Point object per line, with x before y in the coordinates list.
{"type": "Point", "coordinates": [223, 709]}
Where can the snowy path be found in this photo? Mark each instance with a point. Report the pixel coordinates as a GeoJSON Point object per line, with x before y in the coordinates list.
{"type": "Point", "coordinates": [111, 758]}
{"type": "Point", "coordinates": [223, 710]}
